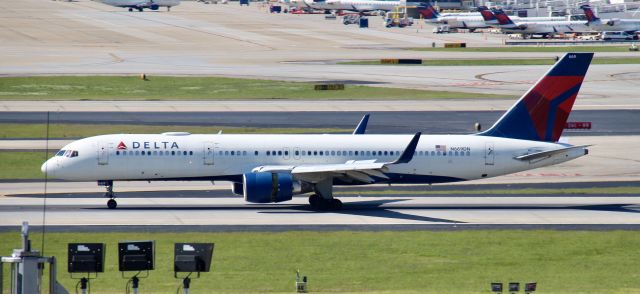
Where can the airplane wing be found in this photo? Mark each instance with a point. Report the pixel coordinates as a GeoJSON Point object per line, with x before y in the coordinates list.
{"type": "Point", "coordinates": [548, 153]}
{"type": "Point", "coordinates": [360, 170]}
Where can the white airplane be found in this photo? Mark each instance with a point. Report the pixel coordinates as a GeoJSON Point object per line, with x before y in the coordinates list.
{"type": "Point", "coordinates": [273, 168]}
{"type": "Point", "coordinates": [471, 20]}
{"type": "Point", "coordinates": [614, 24]}
{"type": "Point", "coordinates": [142, 4]}
{"type": "Point", "coordinates": [350, 5]}
{"type": "Point", "coordinates": [490, 18]}
{"type": "Point", "coordinates": [465, 20]}
{"type": "Point", "coordinates": [545, 28]}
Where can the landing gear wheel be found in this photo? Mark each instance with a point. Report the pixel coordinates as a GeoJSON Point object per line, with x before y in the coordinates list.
{"type": "Point", "coordinates": [321, 204]}
{"type": "Point", "coordinates": [336, 204]}
{"type": "Point", "coordinates": [112, 204]}
{"type": "Point", "coordinates": [315, 201]}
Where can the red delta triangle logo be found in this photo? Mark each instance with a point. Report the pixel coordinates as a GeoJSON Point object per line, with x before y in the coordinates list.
{"type": "Point", "coordinates": [122, 146]}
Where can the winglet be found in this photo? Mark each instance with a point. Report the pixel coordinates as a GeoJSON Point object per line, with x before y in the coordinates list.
{"type": "Point", "coordinates": [408, 152]}
{"type": "Point", "coordinates": [362, 125]}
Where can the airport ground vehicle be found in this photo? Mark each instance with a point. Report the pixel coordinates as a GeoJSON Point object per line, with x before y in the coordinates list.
{"type": "Point", "coordinates": [398, 22]}
{"type": "Point", "coordinates": [617, 35]}
{"type": "Point", "coordinates": [442, 29]}
{"type": "Point", "coordinates": [351, 19]}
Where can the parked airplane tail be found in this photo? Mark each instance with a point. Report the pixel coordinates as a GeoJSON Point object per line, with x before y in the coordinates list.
{"type": "Point", "coordinates": [502, 17]}
{"type": "Point", "coordinates": [591, 16]}
{"type": "Point", "coordinates": [427, 11]}
{"type": "Point", "coordinates": [541, 114]}
{"type": "Point", "coordinates": [487, 15]}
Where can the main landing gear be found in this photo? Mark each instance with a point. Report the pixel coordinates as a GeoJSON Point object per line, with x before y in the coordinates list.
{"type": "Point", "coordinates": [323, 198]}
{"type": "Point", "coordinates": [111, 203]}
{"type": "Point", "coordinates": [319, 203]}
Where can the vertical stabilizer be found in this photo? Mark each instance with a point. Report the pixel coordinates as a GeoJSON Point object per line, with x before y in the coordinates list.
{"type": "Point", "coordinates": [588, 12]}
{"type": "Point", "coordinates": [541, 114]}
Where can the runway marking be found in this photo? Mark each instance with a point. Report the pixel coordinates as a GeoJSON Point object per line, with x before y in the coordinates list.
{"type": "Point", "coordinates": [116, 58]}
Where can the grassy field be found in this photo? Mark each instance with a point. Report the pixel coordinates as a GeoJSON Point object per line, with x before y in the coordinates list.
{"type": "Point", "coordinates": [531, 49]}
{"type": "Point", "coordinates": [22, 165]}
{"type": "Point", "coordinates": [14, 131]}
{"type": "Point", "coordinates": [195, 88]}
{"type": "Point", "coordinates": [484, 62]}
{"type": "Point", "coordinates": [376, 262]}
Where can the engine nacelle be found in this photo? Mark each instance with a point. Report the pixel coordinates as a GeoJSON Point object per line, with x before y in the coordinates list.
{"type": "Point", "coordinates": [266, 187]}
{"type": "Point", "coordinates": [237, 188]}
{"type": "Point", "coordinates": [613, 22]}
{"type": "Point", "coordinates": [154, 6]}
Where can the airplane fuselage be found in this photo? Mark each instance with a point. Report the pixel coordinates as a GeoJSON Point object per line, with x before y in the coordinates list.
{"type": "Point", "coordinates": [438, 158]}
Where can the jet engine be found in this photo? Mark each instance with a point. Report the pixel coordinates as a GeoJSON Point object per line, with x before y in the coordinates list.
{"type": "Point", "coordinates": [154, 6]}
{"type": "Point", "coordinates": [613, 22]}
{"type": "Point", "coordinates": [266, 187]}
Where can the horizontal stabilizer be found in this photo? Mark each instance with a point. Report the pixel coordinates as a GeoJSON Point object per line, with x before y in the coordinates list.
{"type": "Point", "coordinates": [548, 153]}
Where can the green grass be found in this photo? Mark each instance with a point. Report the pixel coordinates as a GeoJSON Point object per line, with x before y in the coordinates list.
{"type": "Point", "coordinates": [376, 262]}
{"type": "Point", "coordinates": [485, 62]}
{"type": "Point", "coordinates": [22, 165]}
{"type": "Point", "coordinates": [196, 88]}
{"type": "Point", "coordinates": [14, 131]}
{"type": "Point", "coordinates": [531, 49]}
{"type": "Point", "coordinates": [527, 191]}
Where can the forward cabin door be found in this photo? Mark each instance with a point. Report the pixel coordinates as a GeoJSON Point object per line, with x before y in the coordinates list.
{"type": "Point", "coordinates": [489, 154]}
{"type": "Point", "coordinates": [209, 151]}
{"type": "Point", "coordinates": [103, 152]}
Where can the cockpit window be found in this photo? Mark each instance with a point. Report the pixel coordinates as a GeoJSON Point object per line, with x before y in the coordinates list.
{"type": "Point", "coordinates": [67, 153]}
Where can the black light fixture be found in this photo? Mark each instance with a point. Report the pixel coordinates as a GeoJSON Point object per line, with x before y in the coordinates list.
{"type": "Point", "coordinates": [530, 287]}
{"type": "Point", "coordinates": [136, 256]}
{"type": "Point", "coordinates": [496, 287]}
{"type": "Point", "coordinates": [85, 258]}
{"type": "Point", "coordinates": [514, 287]}
{"type": "Point", "coordinates": [191, 258]}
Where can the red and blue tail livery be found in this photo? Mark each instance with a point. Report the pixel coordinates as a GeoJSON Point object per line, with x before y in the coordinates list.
{"type": "Point", "coordinates": [542, 112]}
{"type": "Point", "coordinates": [503, 18]}
{"type": "Point", "coordinates": [591, 16]}
{"type": "Point", "coordinates": [486, 14]}
{"type": "Point", "coordinates": [427, 11]}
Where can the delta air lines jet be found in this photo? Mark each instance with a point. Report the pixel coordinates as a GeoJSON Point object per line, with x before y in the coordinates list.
{"type": "Point", "coordinates": [614, 24]}
{"type": "Point", "coordinates": [274, 168]}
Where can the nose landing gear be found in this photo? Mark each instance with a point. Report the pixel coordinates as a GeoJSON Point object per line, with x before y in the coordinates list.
{"type": "Point", "coordinates": [111, 203]}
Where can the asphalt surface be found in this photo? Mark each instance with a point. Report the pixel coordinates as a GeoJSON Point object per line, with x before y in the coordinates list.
{"type": "Point", "coordinates": [605, 122]}
{"type": "Point", "coordinates": [597, 212]}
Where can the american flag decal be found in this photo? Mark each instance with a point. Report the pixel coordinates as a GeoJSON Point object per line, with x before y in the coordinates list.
{"type": "Point", "coordinates": [441, 148]}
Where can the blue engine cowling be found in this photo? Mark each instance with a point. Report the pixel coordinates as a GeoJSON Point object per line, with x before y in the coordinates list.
{"type": "Point", "coordinates": [266, 187]}
{"type": "Point", "coordinates": [154, 6]}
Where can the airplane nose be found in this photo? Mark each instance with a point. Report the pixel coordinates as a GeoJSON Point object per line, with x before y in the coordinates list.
{"type": "Point", "coordinates": [48, 167]}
